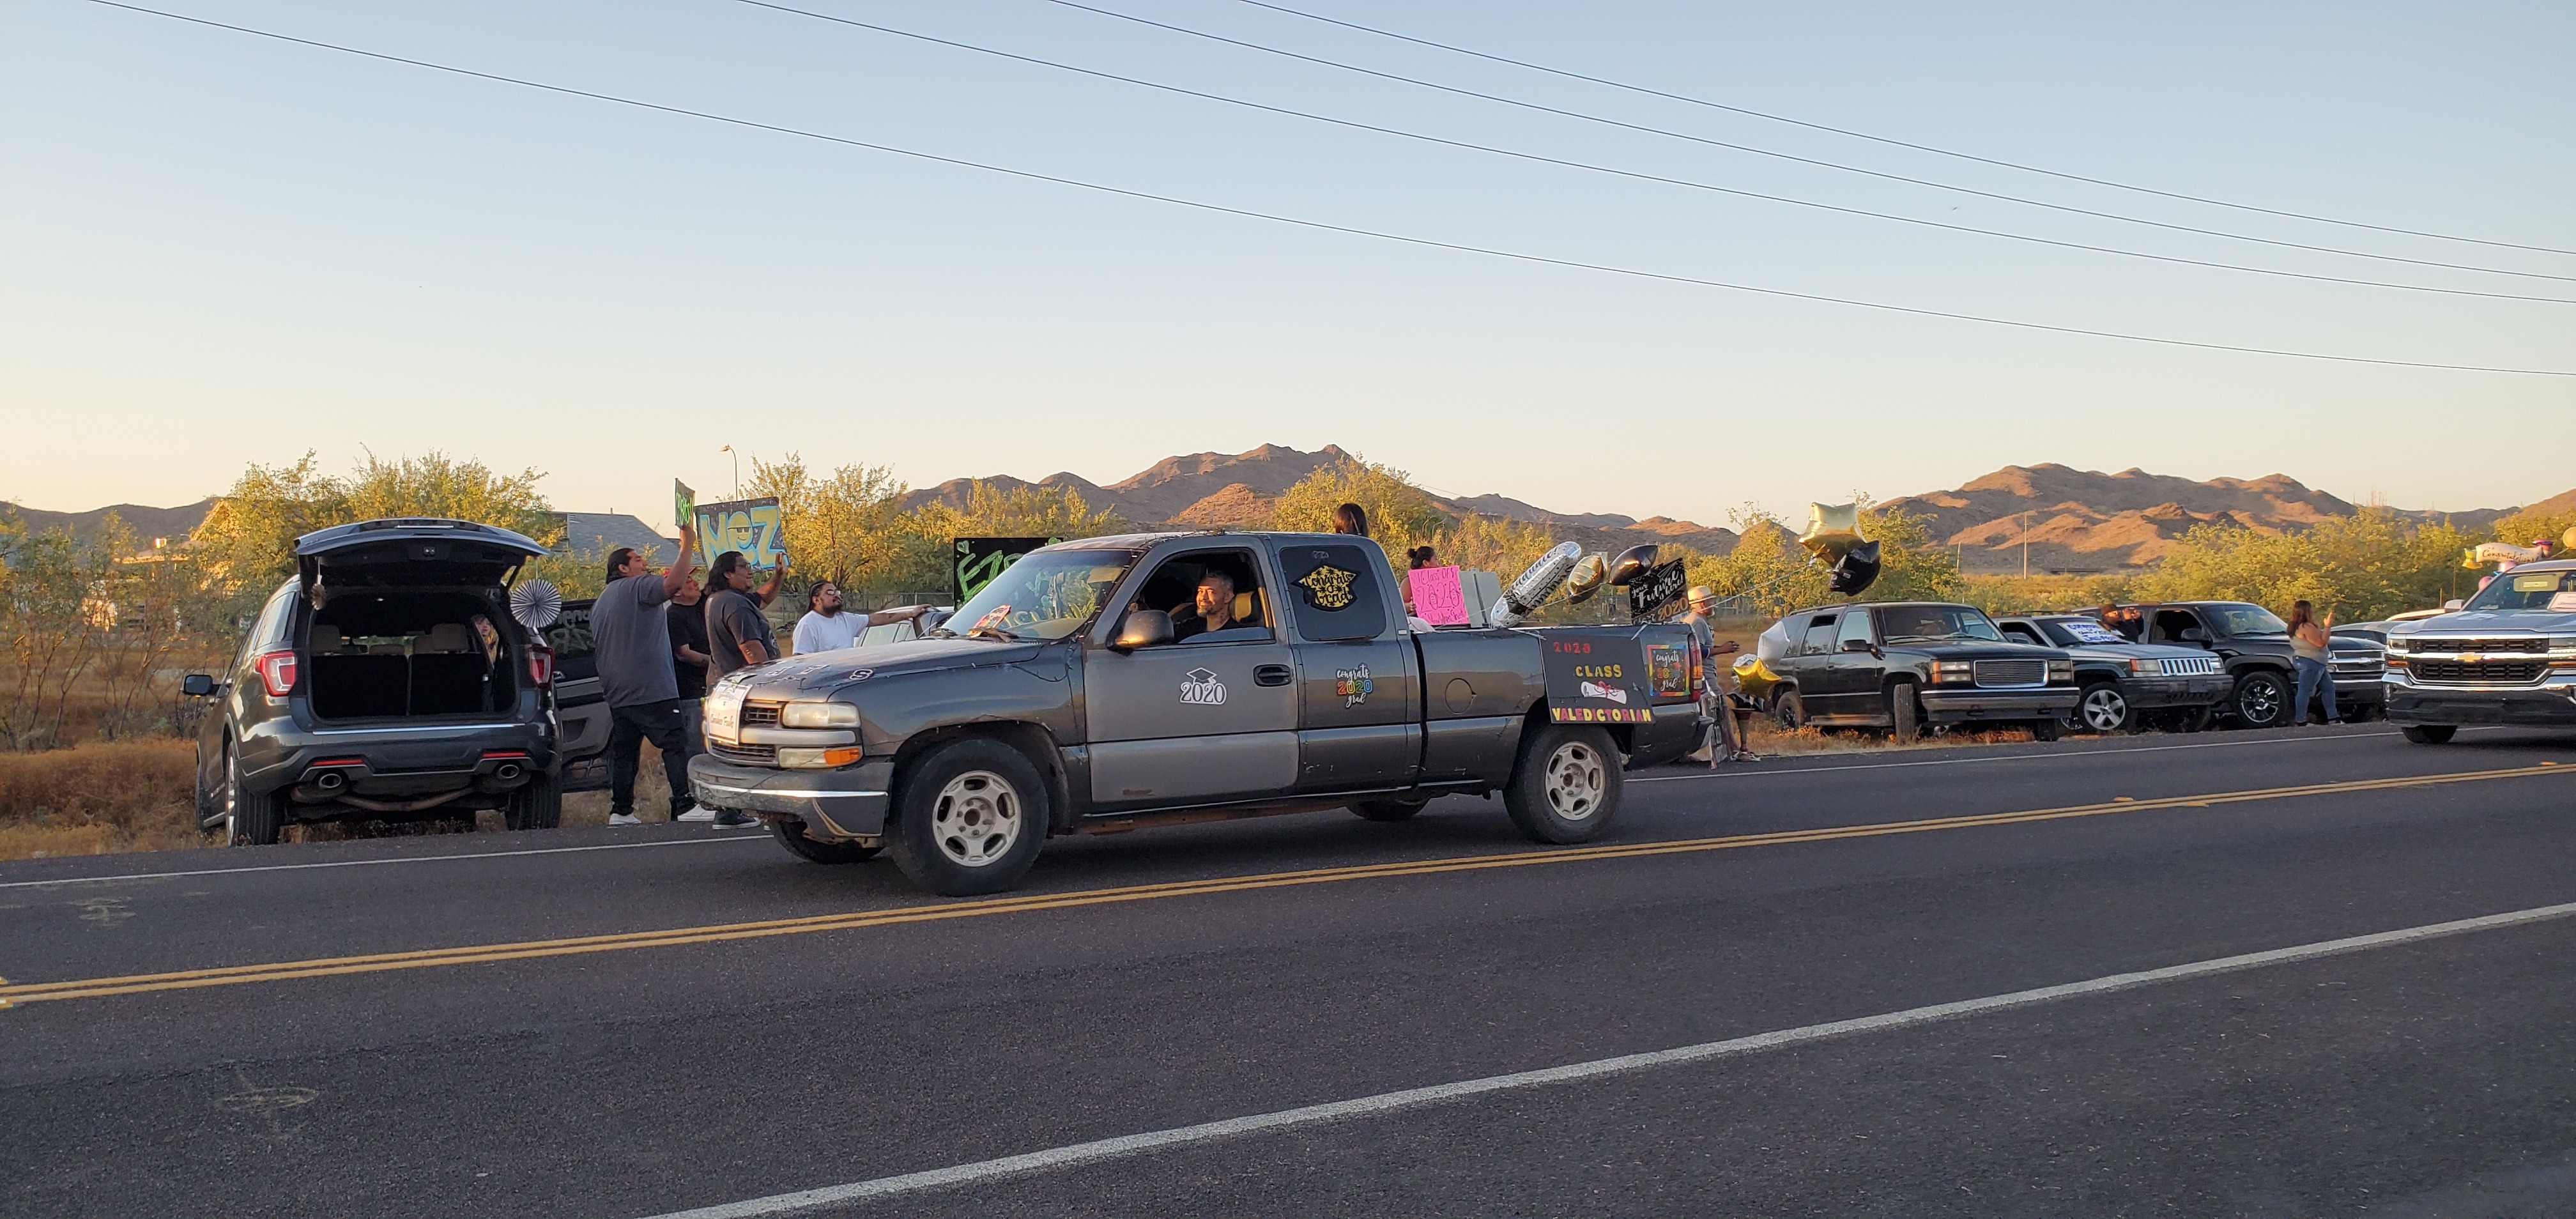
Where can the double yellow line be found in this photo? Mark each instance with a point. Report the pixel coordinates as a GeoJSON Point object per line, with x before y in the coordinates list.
{"type": "Point", "coordinates": [280, 971]}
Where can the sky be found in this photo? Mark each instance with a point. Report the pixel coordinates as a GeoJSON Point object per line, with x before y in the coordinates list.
{"type": "Point", "coordinates": [217, 249]}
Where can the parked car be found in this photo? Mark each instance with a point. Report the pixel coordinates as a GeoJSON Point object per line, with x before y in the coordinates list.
{"type": "Point", "coordinates": [2251, 642]}
{"type": "Point", "coordinates": [581, 710]}
{"type": "Point", "coordinates": [2121, 683]}
{"type": "Point", "coordinates": [2357, 664]}
{"type": "Point", "coordinates": [2507, 657]}
{"type": "Point", "coordinates": [385, 679]}
{"type": "Point", "coordinates": [1064, 701]}
{"type": "Point", "coordinates": [1903, 665]}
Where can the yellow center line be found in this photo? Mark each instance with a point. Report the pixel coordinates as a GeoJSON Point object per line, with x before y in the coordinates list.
{"type": "Point", "coordinates": [474, 954]}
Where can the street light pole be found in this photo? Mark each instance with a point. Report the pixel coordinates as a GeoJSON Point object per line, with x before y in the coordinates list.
{"type": "Point", "coordinates": [737, 476]}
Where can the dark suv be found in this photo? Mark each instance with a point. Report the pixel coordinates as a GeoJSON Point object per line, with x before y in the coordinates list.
{"type": "Point", "coordinates": [2251, 643]}
{"type": "Point", "coordinates": [386, 680]}
{"type": "Point", "coordinates": [1905, 664]}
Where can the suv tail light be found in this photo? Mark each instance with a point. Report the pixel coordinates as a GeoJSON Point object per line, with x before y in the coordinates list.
{"type": "Point", "coordinates": [541, 666]}
{"type": "Point", "coordinates": [277, 672]}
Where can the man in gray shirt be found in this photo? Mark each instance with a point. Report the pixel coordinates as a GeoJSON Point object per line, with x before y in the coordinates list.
{"type": "Point", "coordinates": [631, 641]}
{"type": "Point", "coordinates": [738, 634]}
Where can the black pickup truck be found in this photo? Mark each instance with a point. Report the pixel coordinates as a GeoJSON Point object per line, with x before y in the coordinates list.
{"type": "Point", "coordinates": [1902, 665]}
{"type": "Point", "coordinates": [1058, 700]}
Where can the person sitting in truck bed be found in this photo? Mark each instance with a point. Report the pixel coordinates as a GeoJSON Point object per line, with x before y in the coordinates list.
{"type": "Point", "coordinates": [1211, 611]}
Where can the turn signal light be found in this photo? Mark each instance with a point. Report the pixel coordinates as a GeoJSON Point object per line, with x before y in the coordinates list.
{"type": "Point", "coordinates": [277, 672]}
{"type": "Point", "coordinates": [819, 759]}
{"type": "Point", "coordinates": [541, 666]}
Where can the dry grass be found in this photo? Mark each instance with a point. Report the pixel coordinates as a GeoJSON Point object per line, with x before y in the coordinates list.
{"type": "Point", "coordinates": [98, 799]}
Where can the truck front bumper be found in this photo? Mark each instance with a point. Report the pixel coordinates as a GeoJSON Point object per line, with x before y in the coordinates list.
{"type": "Point", "coordinates": [1967, 704]}
{"type": "Point", "coordinates": [2176, 691]}
{"type": "Point", "coordinates": [836, 805]}
{"type": "Point", "coordinates": [2551, 704]}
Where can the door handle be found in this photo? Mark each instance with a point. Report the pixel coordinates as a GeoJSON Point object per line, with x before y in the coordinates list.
{"type": "Point", "coordinates": [1272, 675]}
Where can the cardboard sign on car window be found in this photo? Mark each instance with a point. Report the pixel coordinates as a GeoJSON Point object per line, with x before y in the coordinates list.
{"type": "Point", "coordinates": [2090, 632]}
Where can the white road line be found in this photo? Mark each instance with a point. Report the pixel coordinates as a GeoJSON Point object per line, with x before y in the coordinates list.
{"type": "Point", "coordinates": [1384, 1102]}
{"type": "Point", "coordinates": [368, 863]}
{"type": "Point", "coordinates": [2054, 756]}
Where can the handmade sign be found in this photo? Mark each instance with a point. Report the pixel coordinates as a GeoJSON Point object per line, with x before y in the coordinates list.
{"type": "Point", "coordinates": [752, 526]}
{"type": "Point", "coordinates": [975, 562]}
{"type": "Point", "coordinates": [1661, 586]}
{"type": "Point", "coordinates": [1596, 681]}
{"type": "Point", "coordinates": [1437, 596]}
{"type": "Point", "coordinates": [684, 505]}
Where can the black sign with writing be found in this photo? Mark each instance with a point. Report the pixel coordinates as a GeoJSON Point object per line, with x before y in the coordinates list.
{"type": "Point", "coordinates": [1663, 584]}
{"type": "Point", "coordinates": [1595, 678]}
{"type": "Point", "coordinates": [974, 562]}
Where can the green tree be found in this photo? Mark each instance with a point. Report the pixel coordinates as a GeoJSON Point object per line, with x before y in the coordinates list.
{"type": "Point", "coordinates": [1775, 575]}
{"type": "Point", "coordinates": [246, 544]}
{"type": "Point", "coordinates": [847, 526]}
{"type": "Point", "coordinates": [2371, 564]}
{"type": "Point", "coordinates": [1400, 514]}
{"type": "Point", "coordinates": [50, 628]}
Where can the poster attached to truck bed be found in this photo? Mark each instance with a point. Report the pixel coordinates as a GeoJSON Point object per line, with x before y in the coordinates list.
{"type": "Point", "coordinates": [1661, 586]}
{"type": "Point", "coordinates": [752, 526]}
{"type": "Point", "coordinates": [975, 562]}
{"type": "Point", "coordinates": [1595, 678]}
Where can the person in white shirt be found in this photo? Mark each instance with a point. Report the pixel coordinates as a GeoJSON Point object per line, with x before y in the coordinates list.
{"type": "Point", "coordinates": [827, 626]}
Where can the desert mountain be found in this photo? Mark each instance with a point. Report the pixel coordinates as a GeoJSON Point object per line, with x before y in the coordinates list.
{"type": "Point", "coordinates": [147, 523]}
{"type": "Point", "coordinates": [2085, 520]}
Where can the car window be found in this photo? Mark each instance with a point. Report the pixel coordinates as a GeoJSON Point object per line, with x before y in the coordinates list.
{"type": "Point", "coordinates": [2076, 632]}
{"type": "Point", "coordinates": [2520, 590]}
{"type": "Point", "coordinates": [1173, 587]}
{"type": "Point", "coordinates": [1854, 626]}
{"type": "Point", "coordinates": [1935, 624]}
{"type": "Point", "coordinates": [272, 629]}
{"type": "Point", "coordinates": [1045, 594]}
{"type": "Point", "coordinates": [2237, 621]}
{"type": "Point", "coordinates": [1820, 636]}
{"type": "Point", "coordinates": [2171, 623]}
{"type": "Point", "coordinates": [1334, 592]}
{"type": "Point", "coordinates": [2020, 632]}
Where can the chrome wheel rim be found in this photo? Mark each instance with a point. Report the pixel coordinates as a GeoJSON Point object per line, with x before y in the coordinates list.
{"type": "Point", "coordinates": [232, 800]}
{"type": "Point", "coordinates": [2260, 703]}
{"type": "Point", "coordinates": [1576, 781]}
{"type": "Point", "coordinates": [2103, 709]}
{"type": "Point", "coordinates": [977, 819]}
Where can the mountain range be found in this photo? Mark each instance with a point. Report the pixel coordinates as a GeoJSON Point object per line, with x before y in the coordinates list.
{"type": "Point", "coordinates": [2072, 520]}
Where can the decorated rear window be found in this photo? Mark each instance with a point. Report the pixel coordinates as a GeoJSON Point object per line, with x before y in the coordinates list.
{"type": "Point", "coordinates": [1332, 591]}
{"type": "Point", "coordinates": [2071, 631]}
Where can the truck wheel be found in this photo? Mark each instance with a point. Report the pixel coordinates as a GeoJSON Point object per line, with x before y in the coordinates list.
{"type": "Point", "coordinates": [2102, 708]}
{"type": "Point", "coordinates": [1788, 709]}
{"type": "Point", "coordinates": [970, 818]}
{"type": "Point", "coordinates": [2043, 730]}
{"type": "Point", "coordinates": [791, 835]}
{"type": "Point", "coordinates": [1565, 788]}
{"type": "Point", "coordinates": [254, 819]}
{"type": "Point", "coordinates": [536, 806]}
{"type": "Point", "coordinates": [1903, 724]}
{"type": "Point", "coordinates": [2260, 701]}
{"type": "Point", "coordinates": [2429, 734]}
{"type": "Point", "coordinates": [1389, 810]}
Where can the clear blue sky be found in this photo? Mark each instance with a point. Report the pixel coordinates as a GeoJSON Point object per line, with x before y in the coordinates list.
{"type": "Point", "coordinates": [216, 249]}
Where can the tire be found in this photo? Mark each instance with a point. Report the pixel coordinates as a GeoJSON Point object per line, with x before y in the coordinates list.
{"type": "Point", "coordinates": [538, 805]}
{"type": "Point", "coordinates": [1903, 714]}
{"type": "Point", "coordinates": [2198, 719]}
{"type": "Point", "coordinates": [791, 835]}
{"type": "Point", "coordinates": [2430, 734]}
{"type": "Point", "coordinates": [1788, 709]}
{"type": "Point", "coordinates": [2043, 730]}
{"type": "Point", "coordinates": [1388, 810]}
{"type": "Point", "coordinates": [1565, 787]}
{"type": "Point", "coordinates": [250, 819]}
{"type": "Point", "coordinates": [2260, 700]}
{"type": "Point", "coordinates": [2102, 708]}
{"type": "Point", "coordinates": [970, 816]}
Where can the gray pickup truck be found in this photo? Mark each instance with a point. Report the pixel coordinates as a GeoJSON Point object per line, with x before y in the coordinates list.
{"type": "Point", "coordinates": [1064, 699]}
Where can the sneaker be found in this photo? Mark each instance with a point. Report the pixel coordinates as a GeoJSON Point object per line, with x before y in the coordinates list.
{"type": "Point", "coordinates": [624, 819]}
{"type": "Point", "coordinates": [697, 813]}
{"type": "Point", "coordinates": [732, 820]}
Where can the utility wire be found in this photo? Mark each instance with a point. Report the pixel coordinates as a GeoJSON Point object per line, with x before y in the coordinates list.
{"type": "Point", "coordinates": [1641, 176]}
{"type": "Point", "coordinates": [1318, 225]}
{"type": "Point", "coordinates": [1880, 139]}
{"type": "Point", "coordinates": [1766, 152]}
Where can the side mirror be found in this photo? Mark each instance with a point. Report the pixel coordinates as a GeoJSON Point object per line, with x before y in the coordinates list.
{"type": "Point", "coordinates": [197, 685]}
{"type": "Point", "coordinates": [1143, 629]}
{"type": "Point", "coordinates": [1859, 645]}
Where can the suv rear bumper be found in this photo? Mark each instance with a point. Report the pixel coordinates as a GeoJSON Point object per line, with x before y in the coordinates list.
{"type": "Point", "coordinates": [1968, 704]}
{"type": "Point", "coordinates": [837, 805]}
{"type": "Point", "coordinates": [397, 764]}
{"type": "Point", "coordinates": [2551, 704]}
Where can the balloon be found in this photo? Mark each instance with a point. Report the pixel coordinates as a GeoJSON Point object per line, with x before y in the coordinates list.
{"type": "Point", "coordinates": [1641, 558]}
{"type": "Point", "coordinates": [1530, 591]}
{"type": "Point", "coordinates": [1832, 530]}
{"type": "Point", "coordinates": [1856, 570]}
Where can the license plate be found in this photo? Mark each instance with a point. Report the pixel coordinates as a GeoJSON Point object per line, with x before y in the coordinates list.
{"type": "Point", "coordinates": [724, 714]}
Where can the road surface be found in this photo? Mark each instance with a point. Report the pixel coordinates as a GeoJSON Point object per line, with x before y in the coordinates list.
{"type": "Point", "coordinates": [1896, 983]}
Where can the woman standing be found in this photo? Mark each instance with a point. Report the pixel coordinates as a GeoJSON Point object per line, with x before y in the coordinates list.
{"type": "Point", "coordinates": [2310, 647]}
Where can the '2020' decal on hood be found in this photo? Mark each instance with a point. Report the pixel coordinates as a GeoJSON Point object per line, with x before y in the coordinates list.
{"type": "Point", "coordinates": [1200, 687]}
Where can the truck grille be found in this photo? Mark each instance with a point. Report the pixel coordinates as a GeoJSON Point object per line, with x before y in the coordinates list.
{"type": "Point", "coordinates": [760, 715]}
{"type": "Point", "coordinates": [2535, 646]}
{"type": "Point", "coordinates": [2483, 673]}
{"type": "Point", "coordinates": [751, 755]}
{"type": "Point", "coordinates": [2189, 666]}
{"type": "Point", "coordinates": [2012, 672]}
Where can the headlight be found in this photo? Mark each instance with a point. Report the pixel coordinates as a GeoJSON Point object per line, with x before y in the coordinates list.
{"type": "Point", "coordinates": [2061, 670]}
{"type": "Point", "coordinates": [1953, 670]}
{"type": "Point", "coordinates": [818, 759]}
{"type": "Point", "coordinates": [818, 715]}
{"type": "Point", "coordinates": [2141, 664]}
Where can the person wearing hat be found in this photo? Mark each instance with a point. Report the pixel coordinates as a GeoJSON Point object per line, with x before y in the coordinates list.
{"type": "Point", "coordinates": [1703, 605]}
{"type": "Point", "coordinates": [827, 626]}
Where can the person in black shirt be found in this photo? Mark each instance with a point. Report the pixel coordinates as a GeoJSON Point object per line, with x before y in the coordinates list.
{"type": "Point", "coordinates": [689, 654]}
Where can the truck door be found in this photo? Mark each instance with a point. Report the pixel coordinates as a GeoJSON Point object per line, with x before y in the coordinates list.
{"type": "Point", "coordinates": [1854, 681]}
{"type": "Point", "coordinates": [1359, 723]}
{"type": "Point", "coordinates": [1212, 716]}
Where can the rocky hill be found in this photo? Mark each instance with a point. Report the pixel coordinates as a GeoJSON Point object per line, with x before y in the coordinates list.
{"type": "Point", "coordinates": [146, 523]}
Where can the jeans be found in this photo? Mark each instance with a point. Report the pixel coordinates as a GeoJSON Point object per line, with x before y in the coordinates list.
{"type": "Point", "coordinates": [2313, 676]}
{"type": "Point", "coordinates": [664, 723]}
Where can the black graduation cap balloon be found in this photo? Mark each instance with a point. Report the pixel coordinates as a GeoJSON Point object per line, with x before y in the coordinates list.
{"type": "Point", "coordinates": [1856, 570]}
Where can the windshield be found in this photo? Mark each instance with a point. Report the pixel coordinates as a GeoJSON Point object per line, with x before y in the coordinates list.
{"type": "Point", "coordinates": [2237, 620]}
{"type": "Point", "coordinates": [1047, 594]}
{"type": "Point", "coordinates": [1927, 623]}
{"type": "Point", "coordinates": [2537, 590]}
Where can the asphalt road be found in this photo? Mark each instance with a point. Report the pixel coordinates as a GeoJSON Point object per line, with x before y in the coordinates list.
{"type": "Point", "coordinates": [633, 1023]}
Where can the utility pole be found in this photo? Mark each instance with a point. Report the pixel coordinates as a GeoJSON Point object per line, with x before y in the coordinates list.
{"type": "Point", "coordinates": [737, 476]}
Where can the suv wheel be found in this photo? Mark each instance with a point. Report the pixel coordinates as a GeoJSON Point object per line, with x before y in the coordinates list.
{"type": "Point", "coordinates": [249, 818]}
{"type": "Point", "coordinates": [791, 835]}
{"type": "Point", "coordinates": [536, 806]}
{"type": "Point", "coordinates": [2260, 700]}
{"type": "Point", "coordinates": [1566, 786]}
{"type": "Point", "coordinates": [970, 818]}
{"type": "Point", "coordinates": [1789, 709]}
{"type": "Point", "coordinates": [2429, 734]}
{"type": "Point", "coordinates": [2102, 708]}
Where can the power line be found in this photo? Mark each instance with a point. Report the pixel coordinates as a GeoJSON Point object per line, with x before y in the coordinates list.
{"type": "Point", "coordinates": [1897, 143]}
{"type": "Point", "coordinates": [1766, 152]}
{"type": "Point", "coordinates": [1693, 184]}
{"type": "Point", "coordinates": [1318, 225]}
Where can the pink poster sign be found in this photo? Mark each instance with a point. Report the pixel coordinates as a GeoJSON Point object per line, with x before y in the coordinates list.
{"type": "Point", "coordinates": [1437, 599]}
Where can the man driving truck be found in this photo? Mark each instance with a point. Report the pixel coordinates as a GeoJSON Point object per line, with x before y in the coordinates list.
{"type": "Point", "coordinates": [1212, 609]}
